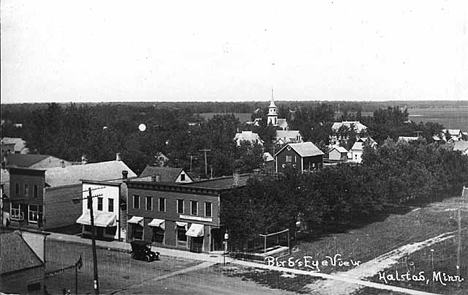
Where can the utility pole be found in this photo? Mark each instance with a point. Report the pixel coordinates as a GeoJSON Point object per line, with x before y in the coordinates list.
{"type": "Point", "coordinates": [206, 163]}
{"type": "Point", "coordinates": [459, 241]}
{"type": "Point", "coordinates": [93, 238]}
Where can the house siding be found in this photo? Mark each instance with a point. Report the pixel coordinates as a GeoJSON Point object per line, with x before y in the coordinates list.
{"type": "Point", "coordinates": [59, 209]}
{"type": "Point", "coordinates": [282, 165]}
{"type": "Point", "coordinates": [18, 282]}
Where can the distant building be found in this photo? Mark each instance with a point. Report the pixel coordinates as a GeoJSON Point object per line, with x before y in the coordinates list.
{"type": "Point", "coordinates": [272, 117]}
{"type": "Point", "coordinates": [355, 153]}
{"type": "Point", "coordinates": [340, 132]}
{"type": "Point", "coordinates": [13, 145]}
{"type": "Point", "coordinates": [461, 146]}
{"type": "Point", "coordinates": [34, 161]}
{"type": "Point", "coordinates": [43, 199]}
{"type": "Point", "coordinates": [338, 153]}
{"type": "Point", "coordinates": [283, 137]}
{"type": "Point", "coordinates": [22, 271]}
{"type": "Point", "coordinates": [407, 138]}
{"type": "Point", "coordinates": [164, 174]}
{"type": "Point", "coordinates": [301, 156]}
{"type": "Point", "coordinates": [184, 216]}
{"type": "Point", "coordinates": [248, 136]}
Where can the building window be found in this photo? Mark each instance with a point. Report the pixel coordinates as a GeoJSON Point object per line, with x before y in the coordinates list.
{"type": "Point", "coordinates": [99, 203]}
{"type": "Point", "coordinates": [194, 207]}
{"type": "Point", "coordinates": [158, 235]}
{"type": "Point", "coordinates": [208, 207]}
{"type": "Point", "coordinates": [288, 159]}
{"type": "Point", "coordinates": [162, 204]}
{"type": "Point", "coordinates": [16, 213]}
{"type": "Point", "coordinates": [181, 236]}
{"type": "Point", "coordinates": [149, 203]}
{"type": "Point", "coordinates": [17, 188]}
{"type": "Point", "coordinates": [111, 205]}
{"type": "Point", "coordinates": [110, 230]}
{"type": "Point", "coordinates": [26, 189]}
{"type": "Point", "coordinates": [136, 202]}
{"type": "Point", "coordinates": [36, 191]}
{"type": "Point", "coordinates": [180, 206]}
{"type": "Point", "coordinates": [34, 213]}
{"type": "Point", "coordinates": [137, 232]}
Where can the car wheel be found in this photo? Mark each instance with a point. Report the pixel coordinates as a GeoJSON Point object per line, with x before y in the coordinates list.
{"type": "Point", "coordinates": [148, 258]}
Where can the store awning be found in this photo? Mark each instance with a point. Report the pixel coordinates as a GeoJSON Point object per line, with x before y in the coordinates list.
{"type": "Point", "coordinates": [158, 223]}
{"type": "Point", "coordinates": [181, 224]}
{"type": "Point", "coordinates": [136, 220]}
{"type": "Point", "coordinates": [101, 219]}
{"type": "Point", "coordinates": [196, 230]}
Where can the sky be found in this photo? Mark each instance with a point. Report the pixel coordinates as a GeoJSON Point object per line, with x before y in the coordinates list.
{"type": "Point", "coordinates": [102, 51]}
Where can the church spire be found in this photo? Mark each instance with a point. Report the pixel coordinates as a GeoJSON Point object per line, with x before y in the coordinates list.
{"type": "Point", "coordinates": [272, 102]}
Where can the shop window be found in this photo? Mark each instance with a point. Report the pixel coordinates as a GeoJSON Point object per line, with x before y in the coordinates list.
{"type": "Point", "coordinates": [16, 213]}
{"type": "Point", "coordinates": [33, 213]}
{"type": "Point", "coordinates": [111, 230]}
{"type": "Point", "coordinates": [137, 232]}
{"type": "Point", "coordinates": [181, 236]}
{"type": "Point", "coordinates": [158, 235]}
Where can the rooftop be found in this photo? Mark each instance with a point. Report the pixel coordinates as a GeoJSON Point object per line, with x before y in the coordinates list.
{"type": "Point", "coordinates": [15, 253]}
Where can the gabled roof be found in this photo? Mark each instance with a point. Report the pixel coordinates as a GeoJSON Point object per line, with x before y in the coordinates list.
{"type": "Point", "coordinates": [267, 157]}
{"type": "Point", "coordinates": [340, 149]}
{"type": "Point", "coordinates": [287, 134]}
{"type": "Point", "coordinates": [248, 136]}
{"type": "Point", "coordinates": [25, 160]}
{"type": "Point", "coordinates": [19, 143]}
{"type": "Point", "coordinates": [358, 146]}
{"type": "Point", "coordinates": [94, 171]}
{"type": "Point", "coordinates": [15, 253]}
{"type": "Point", "coordinates": [358, 126]}
{"type": "Point", "coordinates": [304, 149]}
{"type": "Point", "coordinates": [166, 174]}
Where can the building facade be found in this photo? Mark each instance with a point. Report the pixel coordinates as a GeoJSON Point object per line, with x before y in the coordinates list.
{"type": "Point", "coordinates": [184, 216]}
{"type": "Point", "coordinates": [303, 156]}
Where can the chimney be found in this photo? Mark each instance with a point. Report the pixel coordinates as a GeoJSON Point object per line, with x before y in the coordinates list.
{"type": "Point", "coordinates": [117, 157]}
{"type": "Point", "coordinates": [62, 163]}
{"type": "Point", "coordinates": [124, 174]}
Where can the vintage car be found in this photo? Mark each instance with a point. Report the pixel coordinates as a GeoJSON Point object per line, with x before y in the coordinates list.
{"type": "Point", "coordinates": [141, 250]}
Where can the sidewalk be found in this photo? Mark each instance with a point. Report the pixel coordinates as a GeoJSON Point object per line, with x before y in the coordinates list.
{"type": "Point", "coordinates": [125, 247]}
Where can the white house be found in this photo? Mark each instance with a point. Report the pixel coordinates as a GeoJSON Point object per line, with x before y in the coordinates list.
{"type": "Point", "coordinates": [108, 217]}
{"type": "Point", "coordinates": [248, 136]}
{"type": "Point", "coordinates": [355, 153]}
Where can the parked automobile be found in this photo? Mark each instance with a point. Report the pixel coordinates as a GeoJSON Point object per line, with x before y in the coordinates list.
{"type": "Point", "coordinates": [141, 250]}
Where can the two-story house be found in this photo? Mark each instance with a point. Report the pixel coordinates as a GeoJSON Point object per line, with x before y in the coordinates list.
{"type": "Point", "coordinates": [179, 215]}
{"type": "Point", "coordinates": [304, 156]}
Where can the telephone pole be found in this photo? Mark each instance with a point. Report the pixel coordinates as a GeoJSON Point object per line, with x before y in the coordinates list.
{"type": "Point", "coordinates": [206, 163]}
{"type": "Point", "coordinates": [93, 238]}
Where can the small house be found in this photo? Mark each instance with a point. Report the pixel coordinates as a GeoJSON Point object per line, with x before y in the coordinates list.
{"type": "Point", "coordinates": [301, 156]}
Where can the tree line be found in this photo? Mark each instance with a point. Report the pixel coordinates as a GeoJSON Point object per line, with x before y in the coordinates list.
{"type": "Point", "coordinates": [392, 175]}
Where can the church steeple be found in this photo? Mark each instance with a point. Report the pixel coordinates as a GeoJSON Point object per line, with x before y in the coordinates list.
{"type": "Point", "coordinates": [272, 112]}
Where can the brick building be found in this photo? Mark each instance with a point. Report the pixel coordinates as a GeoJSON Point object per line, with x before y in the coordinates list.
{"type": "Point", "coordinates": [184, 216]}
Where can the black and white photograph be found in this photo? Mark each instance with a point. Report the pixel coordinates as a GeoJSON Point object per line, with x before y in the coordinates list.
{"type": "Point", "coordinates": [234, 147]}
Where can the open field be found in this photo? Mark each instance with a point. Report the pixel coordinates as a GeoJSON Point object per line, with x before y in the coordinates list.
{"type": "Point", "coordinates": [371, 241]}
{"type": "Point", "coordinates": [449, 117]}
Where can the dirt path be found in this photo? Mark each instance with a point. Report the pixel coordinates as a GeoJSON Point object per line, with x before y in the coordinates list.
{"type": "Point", "coordinates": [371, 268]}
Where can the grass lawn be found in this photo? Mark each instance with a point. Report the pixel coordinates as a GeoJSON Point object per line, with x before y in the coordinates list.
{"type": "Point", "coordinates": [370, 241]}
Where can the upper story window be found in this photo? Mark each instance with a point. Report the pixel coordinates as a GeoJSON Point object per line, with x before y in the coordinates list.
{"type": "Point", "coordinates": [194, 207]}
{"type": "Point", "coordinates": [99, 203]}
{"type": "Point", "coordinates": [26, 189]}
{"type": "Point", "coordinates": [180, 206]}
{"type": "Point", "coordinates": [149, 203]}
{"type": "Point", "coordinates": [136, 202]}
{"type": "Point", "coordinates": [182, 177]}
{"type": "Point", "coordinates": [36, 191]}
{"type": "Point", "coordinates": [162, 204]}
{"type": "Point", "coordinates": [208, 209]}
{"type": "Point", "coordinates": [288, 159]}
{"type": "Point", "coordinates": [111, 205]}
